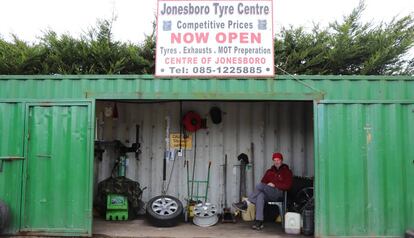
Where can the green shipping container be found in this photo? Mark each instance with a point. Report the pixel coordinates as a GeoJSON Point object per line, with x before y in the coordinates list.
{"type": "Point", "coordinates": [365, 169]}
{"type": "Point", "coordinates": [12, 159]}
{"type": "Point", "coordinates": [363, 129]}
{"type": "Point", "coordinates": [46, 172]}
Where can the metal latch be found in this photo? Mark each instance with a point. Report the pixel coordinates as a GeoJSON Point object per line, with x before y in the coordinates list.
{"type": "Point", "coordinates": [44, 156]}
{"type": "Point", "coordinates": [8, 159]}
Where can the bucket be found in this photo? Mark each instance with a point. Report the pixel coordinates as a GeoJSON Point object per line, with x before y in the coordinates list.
{"type": "Point", "coordinates": [250, 214]}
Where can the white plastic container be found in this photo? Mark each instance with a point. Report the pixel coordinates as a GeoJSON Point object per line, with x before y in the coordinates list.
{"type": "Point", "coordinates": [292, 223]}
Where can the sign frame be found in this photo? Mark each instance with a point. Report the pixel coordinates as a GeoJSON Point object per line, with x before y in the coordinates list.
{"type": "Point", "coordinates": [192, 53]}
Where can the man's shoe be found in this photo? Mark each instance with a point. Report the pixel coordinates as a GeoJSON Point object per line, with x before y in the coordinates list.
{"type": "Point", "coordinates": [242, 206]}
{"type": "Point", "coordinates": [258, 225]}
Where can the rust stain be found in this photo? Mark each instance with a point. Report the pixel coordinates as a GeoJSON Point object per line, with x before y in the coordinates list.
{"type": "Point", "coordinates": [45, 104]}
{"type": "Point", "coordinates": [139, 94]}
{"type": "Point", "coordinates": [368, 134]}
{"type": "Point", "coordinates": [369, 137]}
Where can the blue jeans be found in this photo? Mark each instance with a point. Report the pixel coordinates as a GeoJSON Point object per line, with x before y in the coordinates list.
{"type": "Point", "coordinates": [261, 194]}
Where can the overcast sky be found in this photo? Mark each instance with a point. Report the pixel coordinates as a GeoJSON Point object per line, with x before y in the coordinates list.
{"type": "Point", "coordinates": [28, 18]}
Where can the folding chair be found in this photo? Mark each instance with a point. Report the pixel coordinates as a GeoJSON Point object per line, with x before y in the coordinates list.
{"type": "Point", "coordinates": [282, 206]}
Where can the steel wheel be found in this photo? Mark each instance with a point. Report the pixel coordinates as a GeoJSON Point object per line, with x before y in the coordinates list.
{"type": "Point", "coordinates": [205, 210]}
{"type": "Point", "coordinates": [205, 215]}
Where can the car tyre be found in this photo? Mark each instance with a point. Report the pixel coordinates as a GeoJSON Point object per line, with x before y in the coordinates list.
{"type": "Point", "coordinates": [164, 211]}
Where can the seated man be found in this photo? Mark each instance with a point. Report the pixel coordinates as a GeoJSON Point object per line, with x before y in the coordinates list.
{"type": "Point", "coordinates": [276, 179]}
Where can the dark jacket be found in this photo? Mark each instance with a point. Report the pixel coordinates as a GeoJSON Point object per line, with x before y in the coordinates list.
{"type": "Point", "coordinates": [281, 178]}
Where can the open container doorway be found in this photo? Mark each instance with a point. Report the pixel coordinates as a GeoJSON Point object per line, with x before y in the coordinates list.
{"type": "Point", "coordinates": [255, 128]}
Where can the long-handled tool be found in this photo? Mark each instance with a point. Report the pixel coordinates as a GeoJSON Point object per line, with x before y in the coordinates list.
{"type": "Point", "coordinates": [252, 164]}
{"type": "Point", "coordinates": [244, 160]}
{"type": "Point", "coordinates": [227, 215]}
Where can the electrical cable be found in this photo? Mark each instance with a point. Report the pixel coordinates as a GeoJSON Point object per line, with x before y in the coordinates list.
{"type": "Point", "coordinates": [300, 81]}
{"type": "Point", "coordinates": [194, 163]}
{"type": "Point", "coordinates": [181, 124]}
{"type": "Point", "coordinates": [171, 172]}
{"type": "Point", "coordinates": [175, 152]}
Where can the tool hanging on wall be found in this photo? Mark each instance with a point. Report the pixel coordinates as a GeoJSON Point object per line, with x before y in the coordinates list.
{"type": "Point", "coordinates": [192, 121]}
{"type": "Point", "coordinates": [252, 164]}
{"type": "Point", "coordinates": [244, 160]}
{"type": "Point", "coordinates": [138, 150]}
{"type": "Point", "coordinates": [215, 114]}
{"type": "Point", "coordinates": [166, 155]}
{"type": "Point", "coordinates": [227, 215]}
{"type": "Point", "coordinates": [180, 150]}
{"type": "Point", "coordinates": [194, 165]}
{"type": "Point", "coordinates": [115, 113]}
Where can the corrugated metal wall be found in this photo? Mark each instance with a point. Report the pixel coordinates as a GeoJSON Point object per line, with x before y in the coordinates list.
{"type": "Point", "coordinates": [365, 169]}
{"type": "Point", "coordinates": [57, 188]}
{"type": "Point", "coordinates": [11, 138]}
{"type": "Point", "coordinates": [360, 191]}
{"type": "Point", "coordinates": [146, 87]}
{"type": "Point", "coordinates": [270, 126]}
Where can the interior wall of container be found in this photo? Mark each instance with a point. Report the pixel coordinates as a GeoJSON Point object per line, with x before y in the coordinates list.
{"type": "Point", "coordinates": [268, 126]}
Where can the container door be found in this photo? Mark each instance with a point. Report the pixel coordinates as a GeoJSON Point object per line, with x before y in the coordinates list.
{"type": "Point", "coordinates": [58, 176]}
{"type": "Point", "coordinates": [365, 169]}
{"type": "Point", "coordinates": [11, 160]}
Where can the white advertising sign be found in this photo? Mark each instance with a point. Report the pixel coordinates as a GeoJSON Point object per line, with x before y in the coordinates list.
{"type": "Point", "coordinates": [214, 38]}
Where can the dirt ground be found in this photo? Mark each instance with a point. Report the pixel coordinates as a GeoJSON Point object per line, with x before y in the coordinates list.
{"type": "Point", "coordinates": [141, 228]}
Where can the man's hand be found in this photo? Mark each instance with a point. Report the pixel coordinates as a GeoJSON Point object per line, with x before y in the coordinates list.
{"type": "Point", "coordinates": [271, 185]}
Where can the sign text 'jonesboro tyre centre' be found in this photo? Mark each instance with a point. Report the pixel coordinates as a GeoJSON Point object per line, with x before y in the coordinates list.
{"type": "Point", "coordinates": [214, 38]}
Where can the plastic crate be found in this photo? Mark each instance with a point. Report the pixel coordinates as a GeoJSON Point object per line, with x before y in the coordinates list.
{"type": "Point", "coordinates": [116, 202]}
